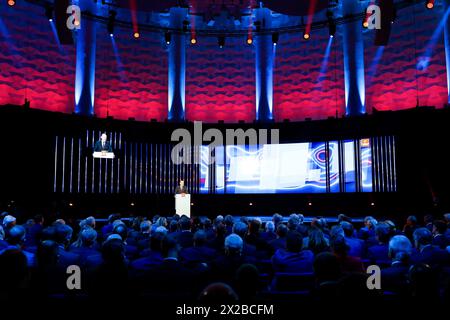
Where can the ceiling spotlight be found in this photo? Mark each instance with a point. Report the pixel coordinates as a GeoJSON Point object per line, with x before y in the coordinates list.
{"type": "Point", "coordinates": [331, 24]}
{"type": "Point", "coordinates": [193, 39]}
{"type": "Point", "coordinates": [306, 36]}
{"type": "Point", "coordinates": [394, 15]}
{"type": "Point", "coordinates": [185, 25]}
{"type": "Point", "coordinates": [167, 37]}
{"type": "Point", "coordinates": [49, 13]}
{"type": "Point", "coordinates": [11, 3]}
{"type": "Point", "coordinates": [221, 41]}
{"type": "Point", "coordinates": [136, 35]}
{"type": "Point", "coordinates": [111, 21]}
{"type": "Point", "coordinates": [275, 37]}
{"type": "Point", "coordinates": [429, 4]}
{"type": "Point", "coordinates": [249, 40]}
{"type": "Point", "coordinates": [365, 23]}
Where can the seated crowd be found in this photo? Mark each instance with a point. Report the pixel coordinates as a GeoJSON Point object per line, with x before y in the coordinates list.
{"type": "Point", "coordinates": [224, 259]}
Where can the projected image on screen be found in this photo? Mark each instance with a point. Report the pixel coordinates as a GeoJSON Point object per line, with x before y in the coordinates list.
{"type": "Point", "coordinates": [308, 167]}
{"type": "Point", "coordinates": [278, 168]}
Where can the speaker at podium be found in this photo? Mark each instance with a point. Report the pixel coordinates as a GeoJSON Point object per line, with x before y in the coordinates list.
{"type": "Point", "coordinates": [182, 200]}
{"type": "Point", "coordinates": [183, 204]}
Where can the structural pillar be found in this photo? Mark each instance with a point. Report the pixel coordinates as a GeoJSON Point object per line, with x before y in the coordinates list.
{"type": "Point", "coordinates": [265, 52]}
{"type": "Point", "coordinates": [177, 67]}
{"type": "Point", "coordinates": [85, 64]}
{"type": "Point", "coordinates": [355, 91]}
{"type": "Point", "coordinates": [447, 44]}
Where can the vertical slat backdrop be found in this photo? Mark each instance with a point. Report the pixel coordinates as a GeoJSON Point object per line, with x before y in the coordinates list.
{"type": "Point", "coordinates": [147, 168]}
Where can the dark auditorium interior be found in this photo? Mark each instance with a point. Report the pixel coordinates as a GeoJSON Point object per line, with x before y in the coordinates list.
{"type": "Point", "coordinates": [261, 156]}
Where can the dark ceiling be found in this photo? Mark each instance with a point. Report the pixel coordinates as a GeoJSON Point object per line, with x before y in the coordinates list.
{"type": "Point", "coordinates": [288, 7]}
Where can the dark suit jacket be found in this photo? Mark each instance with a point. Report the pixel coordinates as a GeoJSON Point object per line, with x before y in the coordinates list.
{"type": "Point", "coordinates": [394, 278]}
{"type": "Point", "coordinates": [441, 241]}
{"type": "Point", "coordinates": [99, 147]}
{"type": "Point", "coordinates": [184, 238]}
{"type": "Point", "coordinates": [66, 258]}
{"type": "Point", "coordinates": [200, 254]}
{"type": "Point", "coordinates": [379, 252]}
{"type": "Point", "coordinates": [433, 256]}
{"type": "Point", "coordinates": [179, 190]}
{"type": "Point", "coordinates": [296, 262]}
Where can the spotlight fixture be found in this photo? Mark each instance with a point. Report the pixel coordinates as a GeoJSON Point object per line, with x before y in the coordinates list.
{"type": "Point", "coordinates": [167, 37]}
{"type": "Point", "coordinates": [221, 41]}
{"type": "Point", "coordinates": [429, 4]}
{"type": "Point", "coordinates": [136, 35]}
{"type": "Point", "coordinates": [193, 39]}
{"type": "Point", "coordinates": [111, 21]}
{"type": "Point", "coordinates": [11, 3]}
{"type": "Point", "coordinates": [249, 40]}
{"type": "Point", "coordinates": [331, 24]}
{"type": "Point", "coordinates": [394, 15]}
{"type": "Point", "coordinates": [185, 25]}
{"type": "Point", "coordinates": [275, 37]}
{"type": "Point", "coordinates": [49, 13]}
{"type": "Point", "coordinates": [257, 25]}
{"type": "Point", "coordinates": [306, 36]}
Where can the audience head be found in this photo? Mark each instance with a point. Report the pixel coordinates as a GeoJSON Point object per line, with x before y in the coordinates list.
{"type": "Point", "coordinates": [122, 230]}
{"type": "Point", "coordinates": [169, 246]}
{"type": "Point", "coordinates": [88, 237]}
{"type": "Point", "coordinates": [282, 230]}
{"type": "Point", "coordinates": [113, 217]}
{"type": "Point", "coordinates": [218, 293]}
{"type": "Point", "coordinates": [13, 268]}
{"type": "Point", "coordinates": [270, 226]}
{"type": "Point", "coordinates": [411, 221]}
{"type": "Point", "coordinates": [90, 222]}
{"type": "Point", "coordinates": [317, 242]}
{"type": "Point", "coordinates": [337, 231]}
{"type": "Point", "coordinates": [428, 219]}
{"type": "Point", "coordinates": [439, 227]}
{"type": "Point", "coordinates": [162, 222]}
{"type": "Point", "coordinates": [422, 237]}
{"type": "Point", "coordinates": [185, 224]}
{"type": "Point", "coordinates": [294, 242]}
{"type": "Point", "coordinates": [47, 254]}
{"type": "Point", "coordinates": [39, 219]}
{"type": "Point", "coordinates": [113, 251]}
{"type": "Point", "coordinates": [200, 238]}
{"type": "Point", "coordinates": [233, 244]}
{"type": "Point", "coordinates": [276, 219]}
{"type": "Point", "coordinates": [146, 226]}
{"type": "Point", "coordinates": [344, 218]}
{"type": "Point", "coordinates": [348, 228]}
{"type": "Point", "coordinates": [2, 233]}
{"type": "Point", "coordinates": [447, 218]}
{"type": "Point", "coordinates": [383, 232]}
{"type": "Point", "coordinates": [16, 235]}
{"type": "Point", "coordinates": [370, 222]}
{"type": "Point", "coordinates": [293, 222]}
{"type": "Point", "coordinates": [254, 226]}
{"type": "Point", "coordinates": [400, 248]}
{"type": "Point", "coordinates": [240, 229]}
{"type": "Point", "coordinates": [423, 281]}
{"type": "Point", "coordinates": [247, 281]}
{"type": "Point", "coordinates": [326, 267]}
{"type": "Point", "coordinates": [339, 246]}
{"type": "Point", "coordinates": [228, 220]}
{"type": "Point", "coordinates": [9, 221]}
{"type": "Point", "coordinates": [63, 234]}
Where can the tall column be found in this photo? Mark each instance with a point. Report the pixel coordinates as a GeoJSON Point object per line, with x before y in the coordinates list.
{"type": "Point", "coordinates": [355, 91]}
{"type": "Point", "coordinates": [447, 44]}
{"type": "Point", "coordinates": [85, 65]}
{"type": "Point", "coordinates": [264, 50]}
{"type": "Point", "coordinates": [177, 67]}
